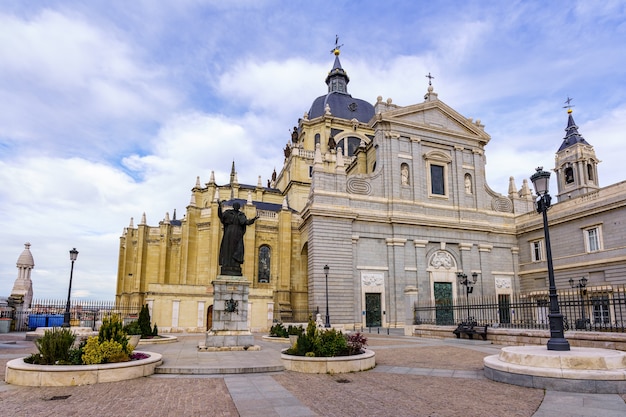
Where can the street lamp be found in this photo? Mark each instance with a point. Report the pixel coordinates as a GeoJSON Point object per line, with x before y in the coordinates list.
{"type": "Point", "coordinates": [66, 316]}
{"type": "Point", "coordinates": [541, 181]}
{"type": "Point", "coordinates": [581, 285]}
{"type": "Point", "coordinates": [326, 269]}
{"type": "Point", "coordinates": [469, 287]}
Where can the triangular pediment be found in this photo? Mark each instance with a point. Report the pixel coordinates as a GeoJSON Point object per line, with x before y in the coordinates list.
{"type": "Point", "coordinates": [436, 116]}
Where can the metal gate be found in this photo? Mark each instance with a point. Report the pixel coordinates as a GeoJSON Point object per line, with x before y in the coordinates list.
{"type": "Point", "coordinates": [443, 303]}
{"type": "Point", "coordinates": [373, 317]}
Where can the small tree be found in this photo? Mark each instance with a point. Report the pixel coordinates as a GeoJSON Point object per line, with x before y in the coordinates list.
{"type": "Point", "coordinates": [144, 321]}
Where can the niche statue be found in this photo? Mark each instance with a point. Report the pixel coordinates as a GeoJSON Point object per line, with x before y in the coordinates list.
{"type": "Point", "coordinates": [231, 248]}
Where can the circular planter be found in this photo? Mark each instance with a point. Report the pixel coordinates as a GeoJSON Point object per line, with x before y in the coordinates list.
{"type": "Point", "coordinates": [133, 340]}
{"type": "Point", "coordinates": [333, 365]}
{"type": "Point", "coordinates": [21, 373]}
{"type": "Point", "coordinates": [158, 341]}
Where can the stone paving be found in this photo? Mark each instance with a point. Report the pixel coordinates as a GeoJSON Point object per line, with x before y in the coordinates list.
{"type": "Point", "coordinates": [414, 377]}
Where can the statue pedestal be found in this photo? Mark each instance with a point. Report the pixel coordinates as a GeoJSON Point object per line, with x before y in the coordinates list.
{"type": "Point", "coordinates": [230, 329]}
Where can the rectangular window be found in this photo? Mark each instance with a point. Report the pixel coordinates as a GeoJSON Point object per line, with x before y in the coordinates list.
{"type": "Point", "coordinates": [593, 239]}
{"type": "Point", "coordinates": [601, 313]}
{"type": "Point", "coordinates": [536, 250]}
{"type": "Point", "coordinates": [437, 180]}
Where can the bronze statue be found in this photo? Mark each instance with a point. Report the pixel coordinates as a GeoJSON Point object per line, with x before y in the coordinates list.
{"type": "Point", "coordinates": [331, 143]}
{"type": "Point", "coordinates": [231, 248]}
{"type": "Point", "coordinates": [294, 135]}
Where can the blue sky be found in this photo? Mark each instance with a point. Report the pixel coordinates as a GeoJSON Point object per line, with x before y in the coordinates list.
{"type": "Point", "coordinates": [109, 109]}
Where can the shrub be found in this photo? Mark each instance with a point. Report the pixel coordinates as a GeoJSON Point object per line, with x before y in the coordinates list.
{"type": "Point", "coordinates": [330, 343]}
{"type": "Point", "coordinates": [155, 330]}
{"type": "Point", "coordinates": [54, 347]}
{"type": "Point", "coordinates": [278, 330]}
{"type": "Point", "coordinates": [356, 343]}
{"type": "Point", "coordinates": [132, 328]}
{"type": "Point", "coordinates": [327, 343]}
{"type": "Point", "coordinates": [144, 321]}
{"type": "Point", "coordinates": [295, 330]}
{"type": "Point", "coordinates": [108, 351]}
{"type": "Point", "coordinates": [113, 330]}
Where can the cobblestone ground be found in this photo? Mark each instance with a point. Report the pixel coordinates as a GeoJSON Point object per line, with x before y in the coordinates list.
{"type": "Point", "coordinates": [357, 394]}
{"type": "Point", "coordinates": [386, 394]}
{"type": "Point", "coordinates": [137, 397]}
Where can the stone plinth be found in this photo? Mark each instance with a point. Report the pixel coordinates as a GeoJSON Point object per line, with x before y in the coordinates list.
{"type": "Point", "coordinates": [577, 370]}
{"type": "Point", "coordinates": [230, 314]}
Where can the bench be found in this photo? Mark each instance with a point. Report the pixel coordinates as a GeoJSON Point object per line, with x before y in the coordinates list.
{"type": "Point", "coordinates": [470, 329]}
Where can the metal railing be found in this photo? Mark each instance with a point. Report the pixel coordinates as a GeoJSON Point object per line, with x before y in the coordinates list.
{"type": "Point", "coordinates": [49, 313]}
{"type": "Point", "coordinates": [589, 309]}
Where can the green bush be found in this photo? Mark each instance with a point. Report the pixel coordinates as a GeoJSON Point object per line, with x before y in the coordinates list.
{"type": "Point", "coordinates": [278, 330]}
{"type": "Point", "coordinates": [295, 330]}
{"type": "Point", "coordinates": [144, 321]}
{"type": "Point", "coordinates": [132, 328]}
{"type": "Point", "coordinates": [330, 343]}
{"type": "Point", "coordinates": [155, 330]}
{"type": "Point", "coordinates": [113, 330]}
{"type": "Point", "coordinates": [327, 343]}
{"type": "Point", "coordinates": [109, 351]}
{"type": "Point", "coordinates": [54, 347]}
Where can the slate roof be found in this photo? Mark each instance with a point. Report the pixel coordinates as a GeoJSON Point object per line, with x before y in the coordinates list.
{"type": "Point", "coordinates": [572, 137]}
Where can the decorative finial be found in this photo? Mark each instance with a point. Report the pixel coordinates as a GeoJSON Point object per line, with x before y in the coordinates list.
{"type": "Point", "coordinates": [335, 50]}
{"type": "Point", "coordinates": [568, 105]}
{"type": "Point", "coordinates": [430, 79]}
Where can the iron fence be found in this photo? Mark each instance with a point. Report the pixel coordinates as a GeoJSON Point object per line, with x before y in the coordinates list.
{"type": "Point", "coordinates": [590, 309]}
{"type": "Point", "coordinates": [49, 313]}
{"type": "Point", "coordinates": [293, 316]}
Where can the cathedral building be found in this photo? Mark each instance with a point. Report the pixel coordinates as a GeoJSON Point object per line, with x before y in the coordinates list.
{"type": "Point", "coordinates": [392, 199]}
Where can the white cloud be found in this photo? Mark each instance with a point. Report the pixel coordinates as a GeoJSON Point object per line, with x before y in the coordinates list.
{"type": "Point", "coordinates": [109, 112]}
{"type": "Point", "coordinates": [61, 71]}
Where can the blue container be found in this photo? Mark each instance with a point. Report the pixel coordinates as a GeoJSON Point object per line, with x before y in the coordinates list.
{"type": "Point", "coordinates": [36, 320]}
{"type": "Point", "coordinates": [55, 320]}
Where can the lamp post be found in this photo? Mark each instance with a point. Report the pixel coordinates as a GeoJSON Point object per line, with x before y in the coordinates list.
{"type": "Point", "coordinates": [469, 287]}
{"type": "Point", "coordinates": [66, 316]}
{"type": "Point", "coordinates": [581, 285]}
{"type": "Point", "coordinates": [541, 181]}
{"type": "Point", "coordinates": [327, 323]}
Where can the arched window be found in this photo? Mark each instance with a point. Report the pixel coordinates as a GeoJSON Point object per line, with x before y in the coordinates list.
{"type": "Point", "coordinates": [569, 175]}
{"type": "Point", "coordinates": [590, 172]}
{"type": "Point", "coordinates": [352, 145]}
{"type": "Point", "coordinates": [264, 264]}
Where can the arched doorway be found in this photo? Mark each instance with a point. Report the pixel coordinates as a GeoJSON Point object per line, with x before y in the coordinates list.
{"type": "Point", "coordinates": [209, 317]}
{"type": "Point", "coordinates": [442, 269]}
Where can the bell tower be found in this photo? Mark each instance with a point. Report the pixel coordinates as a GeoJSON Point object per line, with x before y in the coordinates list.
{"type": "Point", "coordinates": [576, 164]}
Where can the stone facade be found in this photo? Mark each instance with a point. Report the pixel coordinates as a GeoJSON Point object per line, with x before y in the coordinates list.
{"type": "Point", "coordinates": [394, 199]}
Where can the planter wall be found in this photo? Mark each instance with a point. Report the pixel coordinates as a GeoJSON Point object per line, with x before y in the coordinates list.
{"type": "Point", "coordinates": [21, 373]}
{"type": "Point", "coordinates": [334, 365]}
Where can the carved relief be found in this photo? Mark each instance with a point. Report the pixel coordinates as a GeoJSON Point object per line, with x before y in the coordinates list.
{"type": "Point", "coordinates": [442, 259]}
{"type": "Point", "coordinates": [359, 186]}
{"type": "Point", "coordinates": [503, 282]}
{"type": "Point", "coordinates": [502, 204]}
{"type": "Point", "coordinates": [372, 279]}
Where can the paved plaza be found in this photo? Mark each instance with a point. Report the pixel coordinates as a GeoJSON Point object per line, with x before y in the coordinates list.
{"type": "Point", "coordinates": [413, 377]}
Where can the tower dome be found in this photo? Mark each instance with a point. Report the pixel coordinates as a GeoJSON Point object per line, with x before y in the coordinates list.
{"type": "Point", "coordinates": [340, 103]}
{"type": "Point", "coordinates": [26, 258]}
